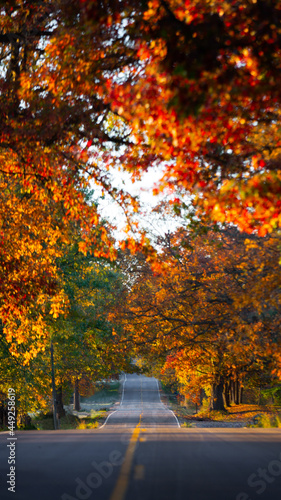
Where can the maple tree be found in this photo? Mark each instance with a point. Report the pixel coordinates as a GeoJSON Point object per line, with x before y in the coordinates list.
{"type": "Point", "coordinates": [30, 241]}
{"type": "Point", "coordinates": [55, 139]}
{"type": "Point", "coordinates": [87, 86]}
{"type": "Point", "coordinates": [211, 312]}
{"type": "Point", "coordinates": [206, 104]}
{"type": "Point", "coordinates": [84, 339]}
{"type": "Point", "coordinates": [85, 343]}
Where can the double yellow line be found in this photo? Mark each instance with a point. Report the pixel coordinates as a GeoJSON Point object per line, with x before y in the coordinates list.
{"type": "Point", "coordinates": [124, 476]}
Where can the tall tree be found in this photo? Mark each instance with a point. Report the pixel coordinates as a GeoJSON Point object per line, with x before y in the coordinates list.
{"type": "Point", "coordinates": [211, 311]}
{"type": "Point", "coordinates": [55, 139]}
{"type": "Point", "coordinates": [207, 104]}
{"type": "Point", "coordinates": [84, 339]}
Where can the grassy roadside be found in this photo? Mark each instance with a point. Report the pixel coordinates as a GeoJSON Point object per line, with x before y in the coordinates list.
{"type": "Point", "coordinates": [93, 413]}
{"type": "Point", "coordinates": [251, 415]}
{"type": "Point", "coordinates": [103, 398]}
{"type": "Point", "coordinates": [69, 421]}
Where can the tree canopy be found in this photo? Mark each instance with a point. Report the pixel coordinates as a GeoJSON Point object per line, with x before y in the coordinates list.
{"type": "Point", "coordinates": [206, 103]}
{"type": "Point", "coordinates": [56, 127]}
{"type": "Point", "coordinates": [213, 311]}
{"type": "Point", "coordinates": [191, 88]}
{"type": "Point", "coordinates": [84, 339]}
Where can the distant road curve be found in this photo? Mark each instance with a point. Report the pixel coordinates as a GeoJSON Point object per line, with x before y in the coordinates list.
{"type": "Point", "coordinates": [141, 404]}
{"type": "Point", "coordinates": [142, 454]}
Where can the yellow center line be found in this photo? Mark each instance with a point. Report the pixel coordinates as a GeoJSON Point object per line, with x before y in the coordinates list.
{"type": "Point", "coordinates": [123, 480]}
{"type": "Point", "coordinates": [122, 484]}
{"type": "Point", "coordinates": [139, 472]}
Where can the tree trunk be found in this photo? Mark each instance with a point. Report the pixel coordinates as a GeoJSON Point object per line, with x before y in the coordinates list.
{"type": "Point", "coordinates": [76, 405]}
{"type": "Point", "coordinates": [55, 412]}
{"type": "Point", "coordinates": [60, 408]}
{"type": "Point", "coordinates": [3, 415]}
{"type": "Point", "coordinates": [202, 396]}
{"type": "Point", "coordinates": [24, 420]}
{"type": "Point", "coordinates": [232, 392]}
{"type": "Point", "coordinates": [238, 390]}
{"type": "Point", "coordinates": [216, 401]}
{"type": "Point", "coordinates": [226, 393]}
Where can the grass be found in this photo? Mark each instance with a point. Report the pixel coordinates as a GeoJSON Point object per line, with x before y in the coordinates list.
{"type": "Point", "coordinates": [92, 415]}
{"type": "Point", "coordinates": [46, 422]}
{"type": "Point", "coordinates": [104, 397]}
{"type": "Point", "coordinates": [187, 424]}
{"type": "Point", "coordinates": [243, 413]}
{"type": "Point", "coordinates": [251, 414]}
{"type": "Point", "coordinates": [92, 422]}
{"type": "Point", "coordinates": [267, 421]}
{"type": "Point", "coordinates": [69, 421]}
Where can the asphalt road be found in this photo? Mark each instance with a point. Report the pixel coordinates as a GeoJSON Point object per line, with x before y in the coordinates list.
{"type": "Point", "coordinates": [140, 402]}
{"type": "Point", "coordinates": [135, 457]}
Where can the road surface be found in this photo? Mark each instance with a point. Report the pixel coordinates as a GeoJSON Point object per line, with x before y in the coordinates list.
{"type": "Point", "coordinates": [141, 403]}
{"type": "Point", "coordinates": [142, 454]}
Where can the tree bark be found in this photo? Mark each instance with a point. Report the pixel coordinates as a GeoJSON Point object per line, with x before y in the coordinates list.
{"type": "Point", "coordinates": [60, 408]}
{"type": "Point", "coordinates": [24, 420]}
{"type": "Point", "coordinates": [216, 401]}
{"type": "Point", "coordinates": [55, 412]}
{"type": "Point", "coordinates": [232, 392]}
{"type": "Point", "coordinates": [3, 415]}
{"type": "Point", "coordinates": [226, 393]}
{"type": "Point", "coordinates": [76, 405]}
{"type": "Point", "coordinates": [238, 390]}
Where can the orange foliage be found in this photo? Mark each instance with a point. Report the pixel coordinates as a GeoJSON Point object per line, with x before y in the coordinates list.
{"type": "Point", "coordinates": [206, 105]}
{"type": "Point", "coordinates": [87, 86]}
{"type": "Point", "coordinates": [213, 313]}
{"type": "Point", "coordinates": [54, 126]}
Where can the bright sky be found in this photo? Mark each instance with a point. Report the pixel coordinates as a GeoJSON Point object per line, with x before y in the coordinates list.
{"type": "Point", "coordinates": [144, 191]}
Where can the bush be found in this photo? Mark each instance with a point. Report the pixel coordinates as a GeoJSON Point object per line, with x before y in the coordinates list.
{"type": "Point", "coordinates": [266, 421]}
{"type": "Point", "coordinates": [43, 422]}
{"type": "Point", "coordinates": [87, 423]}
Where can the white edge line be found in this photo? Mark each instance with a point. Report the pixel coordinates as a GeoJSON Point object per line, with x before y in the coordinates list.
{"type": "Point", "coordinates": [178, 424]}
{"type": "Point", "coordinates": [120, 404]}
{"type": "Point", "coordinates": [175, 417]}
{"type": "Point", "coordinates": [107, 419]}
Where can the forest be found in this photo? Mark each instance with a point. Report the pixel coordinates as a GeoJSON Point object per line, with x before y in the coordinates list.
{"type": "Point", "coordinates": [90, 90]}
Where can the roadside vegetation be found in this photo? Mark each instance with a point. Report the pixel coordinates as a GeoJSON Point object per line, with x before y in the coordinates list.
{"type": "Point", "coordinates": [248, 414]}
{"type": "Point", "coordinates": [106, 394]}
{"type": "Point", "coordinates": [94, 409]}
{"type": "Point", "coordinates": [95, 405]}
{"type": "Point", "coordinates": [188, 91]}
{"type": "Point", "coordinates": [43, 422]}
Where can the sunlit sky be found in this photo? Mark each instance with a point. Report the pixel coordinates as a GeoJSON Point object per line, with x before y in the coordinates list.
{"type": "Point", "coordinates": [143, 189]}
